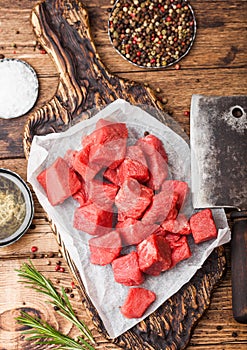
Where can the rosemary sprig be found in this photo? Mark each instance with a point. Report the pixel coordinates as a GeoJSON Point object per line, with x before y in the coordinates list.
{"type": "Point", "coordinates": [34, 279]}
{"type": "Point", "coordinates": [43, 333]}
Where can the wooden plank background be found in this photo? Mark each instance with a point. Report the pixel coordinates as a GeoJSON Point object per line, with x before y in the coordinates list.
{"type": "Point", "coordinates": [215, 66]}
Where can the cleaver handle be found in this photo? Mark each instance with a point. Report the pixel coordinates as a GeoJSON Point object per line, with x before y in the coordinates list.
{"type": "Point", "coordinates": [239, 266]}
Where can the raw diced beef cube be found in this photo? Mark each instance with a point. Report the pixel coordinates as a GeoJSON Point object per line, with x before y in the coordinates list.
{"type": "Point", "coordinates": [151, 144]}
{"type": "Point", "coordinates": [158, 170]}
{"type": "Point", "coordinates": [136, 153]}
{"type": "Point", "coordinates": [132, 199]}
{"type": "Point", "coordinates": [154, 255]}
{"type": "Point", "coordinates": [112, 176]}
{"type": "Point", "coordinates": [126, 270]}
{"type": "Point", "coordinates": [134, 231]}
{"type": "Point", "coordinates": [70, 156]}
{"type": "Point", "coordinates": [105, 131]}
{"type": "Point", "coordinates": [160, 231]}
{"type": "Point", "coordinates": [180, 250]}
{"type": "Point", "coordinates": [102, 122]}
{"type": "Point", "coordinates": [110, 154]}
{"type": "Point", "coordinates": [203, 226]}
{"type": "Point", "coordinates": [104, 249]}
{"type": "Point", "coordinates": [176, 186]}
{"type": "Point", "coordinates": [180, 225]}
{"type": "Point", "coordinates": [59, 181]}
{"type": "Point", "coordinates": [82, 165]}
{"type": "Point", "coordinates": [42, 179]}
{"type": "Point", "coordinates": [134, 169]}
{"type": "Point", "coordinates": [81, 195]}
{"type": "Point", "coordinates": [172, 239]}
{"type": "Point", "coordinates": [102, 194]}
{"type": "Point", "coordinates": [162, 207]}
{"type": "Point", "coordinates": [137, 302]}
{"type": "Point", "coordinates": [134, 165]}
{"type": "Point", "coordinates": [92, 219]}
{"type": "Point", "coordinates": [156, 157]}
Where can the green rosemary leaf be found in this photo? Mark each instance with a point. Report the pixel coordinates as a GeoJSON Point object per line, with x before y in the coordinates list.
{"type": "Point", "coordinates": [43, 334]}
{"type": "Point", "coordinates": [41, 284]}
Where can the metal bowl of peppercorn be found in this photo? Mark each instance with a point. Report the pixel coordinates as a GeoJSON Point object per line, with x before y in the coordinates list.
{"type": "Point", "coordinates": [152, 33]}
{"type": "Point", "coordinates": [16, 207]}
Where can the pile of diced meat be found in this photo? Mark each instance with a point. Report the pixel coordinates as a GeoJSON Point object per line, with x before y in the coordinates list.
{"type": "Point", "coordinates": [126, 199]}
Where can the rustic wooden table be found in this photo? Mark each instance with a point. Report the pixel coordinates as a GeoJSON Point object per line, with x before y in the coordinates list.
{"type": "Point", "coordinates": [215, 66]}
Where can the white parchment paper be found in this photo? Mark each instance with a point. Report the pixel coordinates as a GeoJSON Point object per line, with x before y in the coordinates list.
{"type": "Point", "coordinates": [107, 295]}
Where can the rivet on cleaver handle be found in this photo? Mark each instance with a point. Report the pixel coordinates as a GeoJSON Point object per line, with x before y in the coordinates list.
{"type": "Point", "coordinates": [218, 134]}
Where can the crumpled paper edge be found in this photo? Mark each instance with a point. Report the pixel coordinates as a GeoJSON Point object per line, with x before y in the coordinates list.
{"type": "Point", "coordinates": [114, 322]}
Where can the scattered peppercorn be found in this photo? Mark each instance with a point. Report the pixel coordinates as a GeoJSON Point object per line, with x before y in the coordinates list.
{"type": "Point", "coordinates": [154, 33]}
{"type": "Point", "coordinates": [56, 308]}
{"type": "Point", "coordinates": [57, 281]}
{"type": "Point", "coordinates": [32, 256]}
{"type": "Point", "coordinates": [146, 133]}
{"type": "Point", "coordinates": [51, 255]}
{"type": "Point", "coordinates": [48, 262]}
{"type": "Point", "coordinates": [67, 290]}
{"type": "Point", "coordinates": [234, 334]}
{"type": "Point", "coordinates": [58, 262]}
{"type": "Point", "coordinates": [219, 328]}
{"type": "Point", "coordinates": [1, 56]}
{"type": "Point", "coordinates": [34, 249]}
{"type": "Point", "coordinates": [72, 295]}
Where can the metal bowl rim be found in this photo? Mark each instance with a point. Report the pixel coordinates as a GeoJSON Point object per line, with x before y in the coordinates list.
{"type": "Point", "coordinates": [156, 67]}
{"type": "Point", "coordinates": [29, 214]}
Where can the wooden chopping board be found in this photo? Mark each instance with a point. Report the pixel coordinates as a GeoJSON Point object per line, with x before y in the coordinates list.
{"type": "Point", "coordinates": [62, 28]}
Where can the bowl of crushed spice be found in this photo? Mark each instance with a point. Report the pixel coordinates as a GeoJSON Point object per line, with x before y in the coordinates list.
{"type": "Point", "coordinates": [152, 33]}
{"type": "Point", "coordinates": [16, 207]}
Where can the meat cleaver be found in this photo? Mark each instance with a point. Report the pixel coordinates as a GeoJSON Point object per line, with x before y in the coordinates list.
{"type": "Point", "coordinates": [218, 134]}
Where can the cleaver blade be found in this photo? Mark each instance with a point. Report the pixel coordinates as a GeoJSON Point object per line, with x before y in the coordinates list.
{"type": "Point", "coordinates": [218, 137]}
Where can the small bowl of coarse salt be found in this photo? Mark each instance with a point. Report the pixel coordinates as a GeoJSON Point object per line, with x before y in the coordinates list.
{"type": "Point", "coordinates": [18, 88]}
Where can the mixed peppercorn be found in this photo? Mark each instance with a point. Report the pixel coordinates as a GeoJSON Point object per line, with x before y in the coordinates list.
{"type": "Point", "coordinates": [152, 33]}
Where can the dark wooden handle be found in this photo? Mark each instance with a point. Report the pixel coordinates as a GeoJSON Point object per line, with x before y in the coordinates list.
{"type": "Point", "coordinates": [239, 269]}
